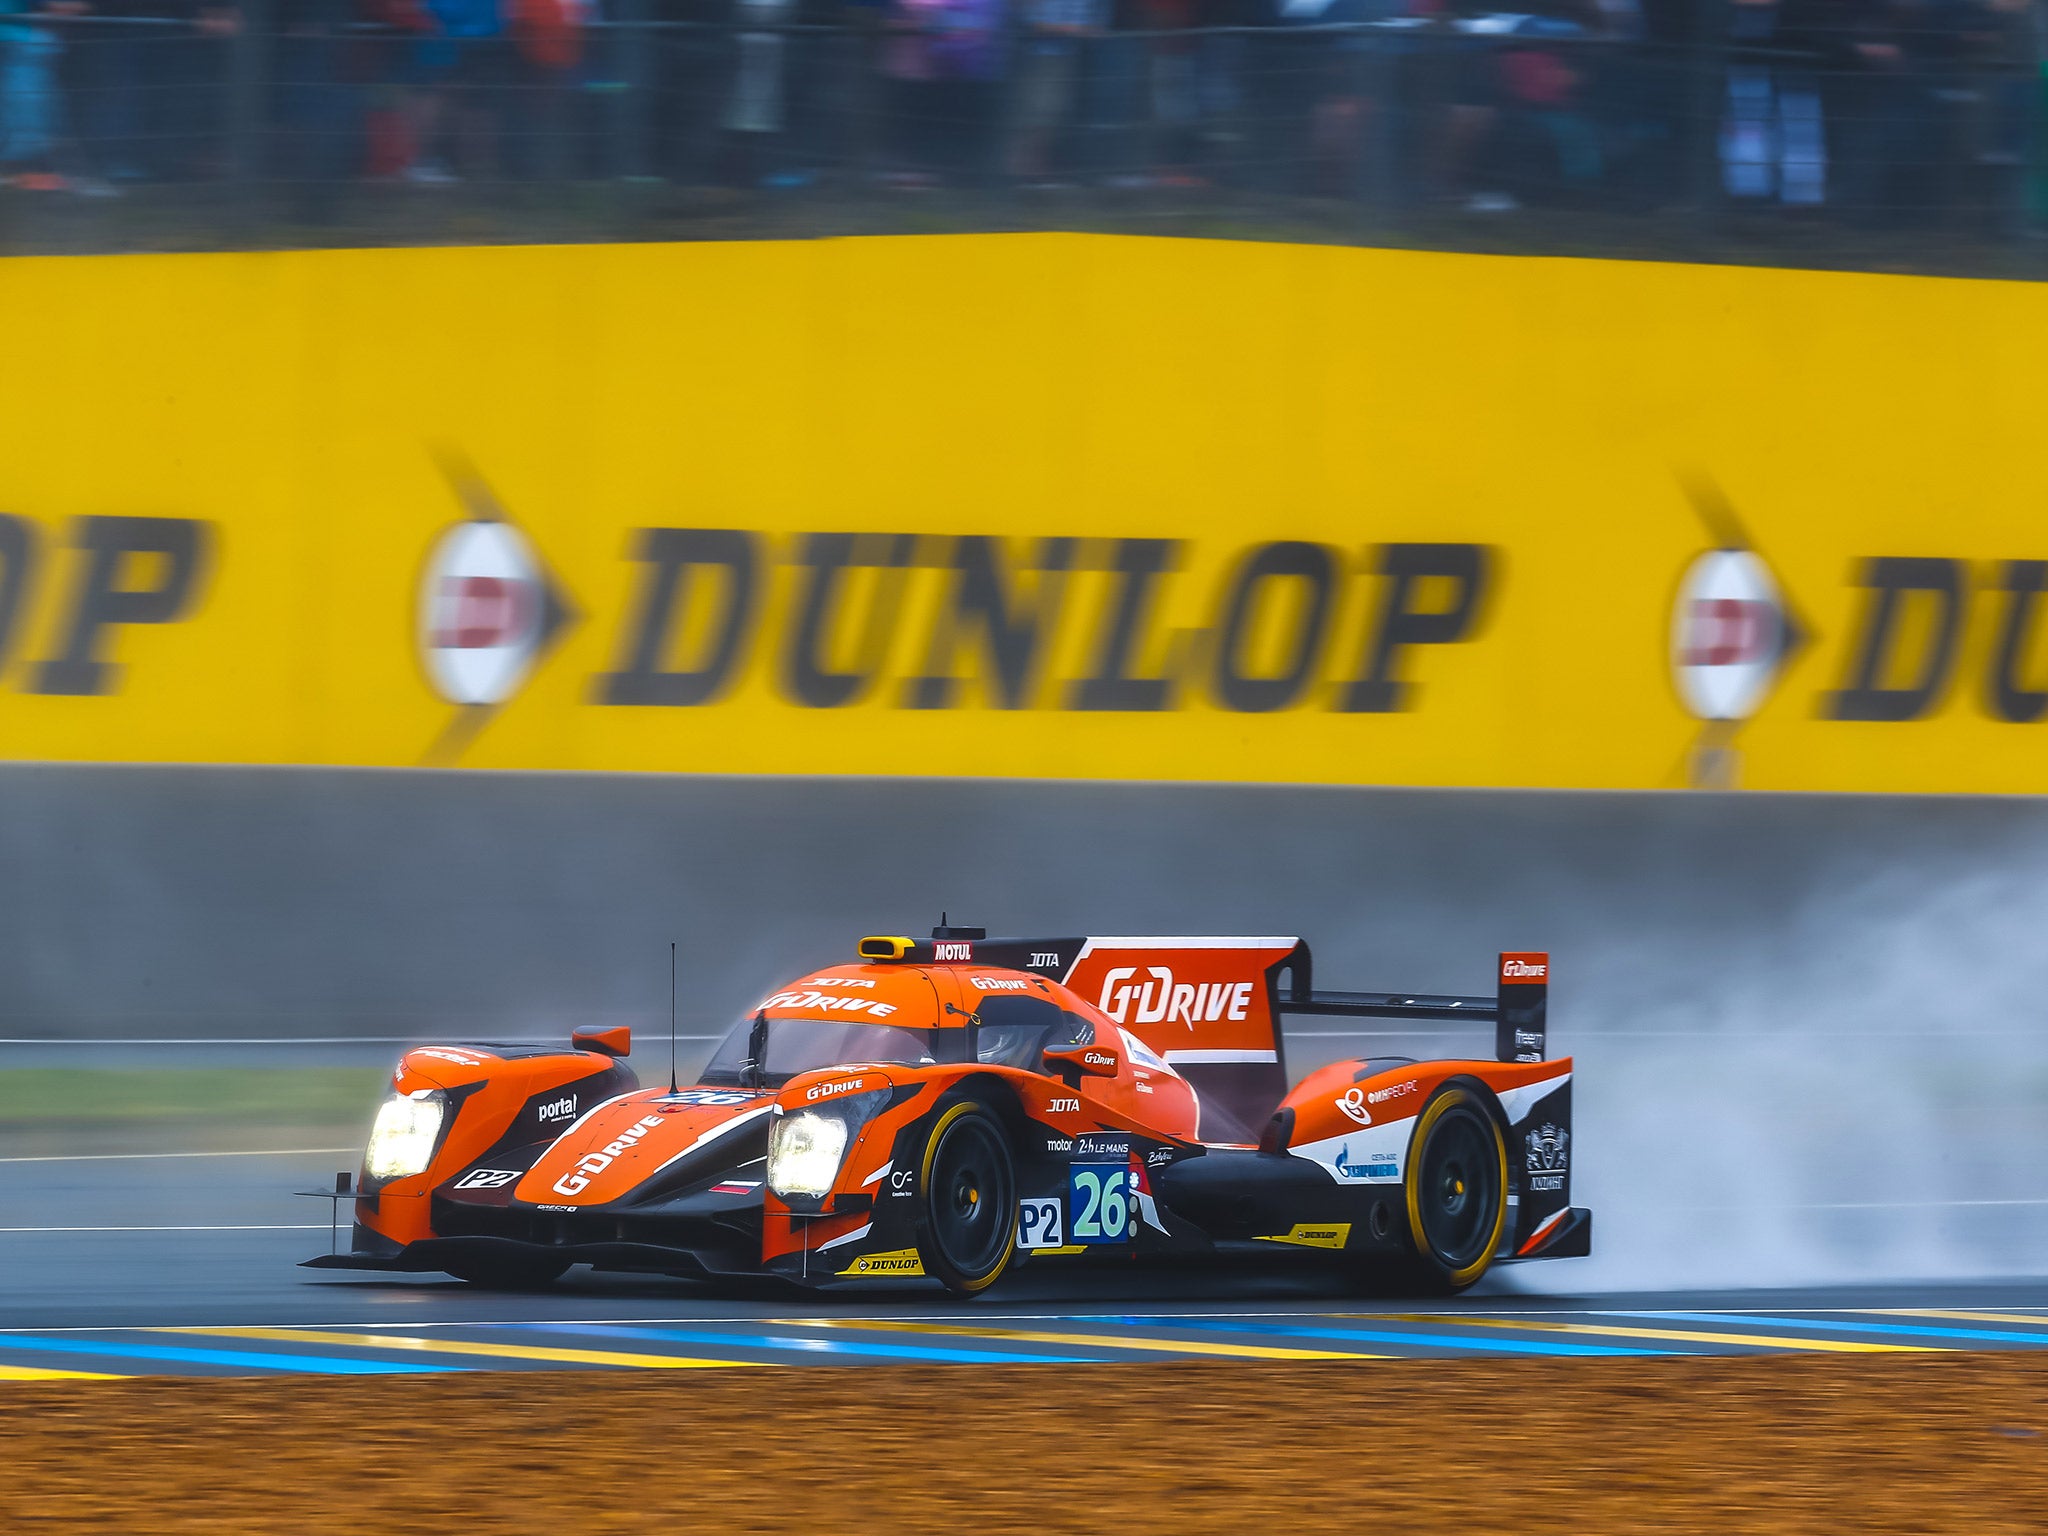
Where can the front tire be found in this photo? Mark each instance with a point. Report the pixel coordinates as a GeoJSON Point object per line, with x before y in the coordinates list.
{"type": "Point", "coordinates": [967, 1197]}
{"type": "Point", "coordinates": [1457, 1191]}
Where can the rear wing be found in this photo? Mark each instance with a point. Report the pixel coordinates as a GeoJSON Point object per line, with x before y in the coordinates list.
{"type": "Point", "coordinates": [1518, 1009]}
{"type": "Point", "coordinates": [1212, 1007]}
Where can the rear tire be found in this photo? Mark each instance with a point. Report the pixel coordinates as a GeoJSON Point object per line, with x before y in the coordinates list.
{"type": "Point", "coordinates": [510, 1274]}
{"type": "Point", "coordinates": [967, 1200]}
{"type": "Point", "coordinates": [1457, 1191]}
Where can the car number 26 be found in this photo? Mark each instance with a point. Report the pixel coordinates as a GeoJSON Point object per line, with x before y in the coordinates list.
{"type": "Point", "coordinates": [1100, 1202]}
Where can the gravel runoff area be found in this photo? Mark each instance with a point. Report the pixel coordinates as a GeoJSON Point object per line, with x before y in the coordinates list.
{"type": "Point", "coordinates": [1895, 1443]}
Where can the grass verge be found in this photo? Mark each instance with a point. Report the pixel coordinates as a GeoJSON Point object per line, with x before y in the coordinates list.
{"type": "Point", "coordinates": [340, 1096]}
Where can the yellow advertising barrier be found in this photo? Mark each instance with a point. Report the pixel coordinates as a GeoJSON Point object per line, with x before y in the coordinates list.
{"type": "Point", "coordinates": [1034, 505]}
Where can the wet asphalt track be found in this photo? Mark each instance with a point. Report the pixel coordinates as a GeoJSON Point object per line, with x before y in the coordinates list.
{"type": "Point", "coordinates": [125, 1266]}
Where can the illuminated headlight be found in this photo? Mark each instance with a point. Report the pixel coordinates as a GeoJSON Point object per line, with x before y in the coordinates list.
{"type": "Point", "coordinates": [804, 1151]}
{"type": "Point", "coordinates": [402, 1140]}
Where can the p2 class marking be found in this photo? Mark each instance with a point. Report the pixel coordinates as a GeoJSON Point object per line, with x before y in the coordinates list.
{"type": "Point", "coordinates": [1040, 1223]}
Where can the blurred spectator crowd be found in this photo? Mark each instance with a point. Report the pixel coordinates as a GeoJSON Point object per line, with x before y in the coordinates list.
{"type": "Point", "coordinates": [1877, 110]}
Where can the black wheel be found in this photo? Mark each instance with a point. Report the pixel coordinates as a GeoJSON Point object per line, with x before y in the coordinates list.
{"type": "Point", "coordinates": [1456, 1186]}
{"type": "Point", "coordinates": [967, 1226]}
{"type": "Point", "coordinates": [535, 1274]}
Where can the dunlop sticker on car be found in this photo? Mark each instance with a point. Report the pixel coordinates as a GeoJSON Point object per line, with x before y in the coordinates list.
{"type": "Point", "coordinates": [902, 1261]}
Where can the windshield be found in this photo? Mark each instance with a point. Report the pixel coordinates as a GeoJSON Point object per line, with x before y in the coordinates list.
{"type": "Point", "coordinates": [805, 1045]}
{"type": "Point", "coordinates": [1018, 1031]}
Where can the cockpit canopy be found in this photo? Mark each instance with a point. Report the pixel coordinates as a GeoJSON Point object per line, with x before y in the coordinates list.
{"type": "Point", "coordinates": [868, 1015]}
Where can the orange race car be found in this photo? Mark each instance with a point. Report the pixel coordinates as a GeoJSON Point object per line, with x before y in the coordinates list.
{"type": "Point", "coordinates": [946, 1108]}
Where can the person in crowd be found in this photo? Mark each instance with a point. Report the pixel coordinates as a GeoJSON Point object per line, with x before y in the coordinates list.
{"type": "Point", "coordinates": [945, 60]}
{"type": "Point", "coordinates": [547, 51]}
{"type": "Point", "coordinates": [1339, 82]}
{"type": "Point", "coordinates": [1499, 77]}
{"type": "Point", "coordinates": [1547, 69]}
{"type": "Point", "coordinates": [318, 104]}
{"type": "Point", "coordinates": [1774, 140]}
{"type": "Point", "coordinates": [756, 106]}
{"type": "Point", "coordinates": [1988, 89]}
{"type": "Point", "coordinates": [455, 71]}
{"type": "Point", "coordinates": [1172, 89]}
{"type": "Point", "coordinates": [31, 111]}
{"type": "Point", "coordinates": [1050, 58]}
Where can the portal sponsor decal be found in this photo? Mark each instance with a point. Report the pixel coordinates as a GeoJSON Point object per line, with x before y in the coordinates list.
{"type": "Point", "coordinates": [563, 1108]}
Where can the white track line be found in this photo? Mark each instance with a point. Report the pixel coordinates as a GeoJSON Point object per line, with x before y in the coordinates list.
{"type": "Point", "coordinates": [321, 1040]}
{"type": "Point", "coordinates": [287, 1226]}
{"type": "Point", "coordinates": [150, 1157]}
{"type": "Point", "coordinates": [1859, 1205]}
{"type": "Point", "coordinates": [975, 1318]}
{"type": "Point", "coordinates": [1625, 1035]}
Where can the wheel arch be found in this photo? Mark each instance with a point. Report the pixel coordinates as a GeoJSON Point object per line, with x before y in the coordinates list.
{"type": "Point", "coordinates": [1480, 1094]}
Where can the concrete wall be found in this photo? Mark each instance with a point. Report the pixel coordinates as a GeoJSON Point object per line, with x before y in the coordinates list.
{"type": "Point", "coordinates": [1809, 1030]}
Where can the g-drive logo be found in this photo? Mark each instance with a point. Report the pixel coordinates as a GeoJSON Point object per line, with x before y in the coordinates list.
{"type": "Point", "coordinates": [1159, 999]}
{"type": "Point", "coordinates": [593, 1163]}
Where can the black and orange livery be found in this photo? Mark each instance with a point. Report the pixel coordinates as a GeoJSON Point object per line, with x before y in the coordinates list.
{"type": "Point", "coordinates": [950, 1107]}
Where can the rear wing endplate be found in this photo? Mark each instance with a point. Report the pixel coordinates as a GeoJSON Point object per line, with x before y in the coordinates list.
{"type": "Point", "coordinates": [1518, 1009]}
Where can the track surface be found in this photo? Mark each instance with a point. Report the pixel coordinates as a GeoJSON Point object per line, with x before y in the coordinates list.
{"type": "Point", "coordinates": [133, 1266]}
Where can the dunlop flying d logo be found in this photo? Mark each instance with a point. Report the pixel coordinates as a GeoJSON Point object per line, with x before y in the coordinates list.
{"type": "Point", "coordinates": [1728, 635]}
{"type": "Point", "coordinates": [1733, 636]}
{"type": "Point", "coordinates": [488, 612]}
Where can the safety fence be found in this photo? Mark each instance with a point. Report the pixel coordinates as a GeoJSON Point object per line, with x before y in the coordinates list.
{"type": "Point", "coordinates": [1309, 117]}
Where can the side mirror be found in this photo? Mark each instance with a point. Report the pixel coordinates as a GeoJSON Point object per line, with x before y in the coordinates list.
{"type": "Point", "coordinates": [1095, 1060]}
{"type": "Point", "coordinates": [616, 1041]}
{"type": "Point", "coordinates": [755, 1073]}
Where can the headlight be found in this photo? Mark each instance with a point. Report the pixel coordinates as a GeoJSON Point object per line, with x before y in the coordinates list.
{"type": "Point", "coordinates": [804, 1151]}
{"type": "Point", "coordinates": [402, 1140]}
